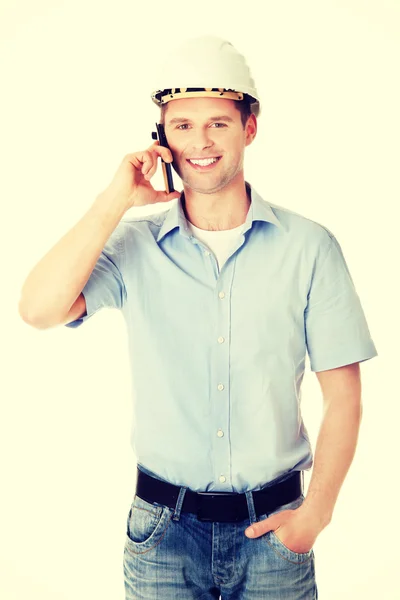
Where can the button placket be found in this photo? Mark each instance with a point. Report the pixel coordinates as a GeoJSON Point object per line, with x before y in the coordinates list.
{"type": "Point", "coordinates": [221, 408]}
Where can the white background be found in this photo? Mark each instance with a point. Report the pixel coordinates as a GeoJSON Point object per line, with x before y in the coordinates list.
{"type": "Point", "coordinates": [76, 80]}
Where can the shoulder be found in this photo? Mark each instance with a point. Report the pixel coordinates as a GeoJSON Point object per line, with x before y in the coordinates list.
{"type": "Point", "coordinates": [303, 229]}
{"type": "Point", "coordinates": [137, 222]}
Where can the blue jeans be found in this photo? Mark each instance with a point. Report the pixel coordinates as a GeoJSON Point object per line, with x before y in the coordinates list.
{"type": "Point", "coordinates": [171, 555]}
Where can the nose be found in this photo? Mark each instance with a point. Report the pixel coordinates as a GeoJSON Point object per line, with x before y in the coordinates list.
{"type": "Point", "coordinates": [201, 139]}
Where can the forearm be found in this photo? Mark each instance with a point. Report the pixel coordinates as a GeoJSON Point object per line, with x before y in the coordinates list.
{"type": "Point", "coordinates": [334, 453]}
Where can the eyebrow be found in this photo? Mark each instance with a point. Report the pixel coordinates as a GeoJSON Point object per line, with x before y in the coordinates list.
{"type": "Point", "coordinates": [185, 120]}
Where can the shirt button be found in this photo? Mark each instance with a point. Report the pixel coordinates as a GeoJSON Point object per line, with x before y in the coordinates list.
{"type": "Point", "coordinates": [222, 478]}
{"type": "Point", "coordinates": [221, 386]}
{"type": "Point", "coordinates": [220, 433]}
{"type": "Point", "coordinates": [221, 294]}
{"type": "Point", "coordinates": [221, 339]}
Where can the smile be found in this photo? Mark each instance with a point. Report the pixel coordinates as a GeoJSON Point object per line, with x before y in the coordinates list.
{"type": "Point", "coordinates": [203, 164]}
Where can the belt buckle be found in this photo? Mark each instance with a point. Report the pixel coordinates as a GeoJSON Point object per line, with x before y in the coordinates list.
{"type": "Point", "coordinates": [215, 511]}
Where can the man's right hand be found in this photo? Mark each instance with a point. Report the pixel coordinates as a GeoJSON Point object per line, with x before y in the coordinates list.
{"type": "Point", "coordinates": [132, 179]}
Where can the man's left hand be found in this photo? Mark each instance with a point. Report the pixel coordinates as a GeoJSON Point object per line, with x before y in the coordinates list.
{"type": "Point", "coordinates": [294, 528]}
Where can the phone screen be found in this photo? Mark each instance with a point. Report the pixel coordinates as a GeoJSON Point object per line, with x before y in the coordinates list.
{"type": "Point", "coordinates": [166, 167]}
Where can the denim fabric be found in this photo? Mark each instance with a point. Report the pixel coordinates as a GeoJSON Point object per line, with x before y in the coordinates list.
{"type": "Point", "coordinates": [171, 555]}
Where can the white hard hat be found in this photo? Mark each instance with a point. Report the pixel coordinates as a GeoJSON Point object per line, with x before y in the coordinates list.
{"type": "Point", "coordinates": [206, 66]}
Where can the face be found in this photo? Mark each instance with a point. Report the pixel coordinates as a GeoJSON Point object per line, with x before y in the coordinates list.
{"type": "Point", "coordinates": [201, 128]}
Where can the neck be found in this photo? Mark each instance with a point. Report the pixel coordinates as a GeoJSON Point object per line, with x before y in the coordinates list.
{"type": "Point", "coordinates": [224, 210]}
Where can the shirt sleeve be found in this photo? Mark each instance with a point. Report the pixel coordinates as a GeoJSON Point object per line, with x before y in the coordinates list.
{"type": "Point", "coordinates": [336, 329]}
{"type": "Point", "coordinates": [105, 286]}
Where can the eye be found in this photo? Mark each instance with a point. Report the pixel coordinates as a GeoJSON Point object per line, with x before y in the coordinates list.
{"type": "Point", "coordinates": [215, 123]}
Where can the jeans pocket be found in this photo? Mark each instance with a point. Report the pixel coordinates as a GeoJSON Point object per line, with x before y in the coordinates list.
{"type": "Point", "coordinates": [146, 523]}
{"type": "Point", "coordinates": [285, 552]}
{"type": "Point", "coordinates": [277, 545]}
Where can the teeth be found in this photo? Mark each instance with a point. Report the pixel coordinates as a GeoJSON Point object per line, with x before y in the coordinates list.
{"type": "Point", "coordinates": [204, 162]}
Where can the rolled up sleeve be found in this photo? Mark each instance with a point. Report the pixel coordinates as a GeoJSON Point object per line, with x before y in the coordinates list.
{"type": "Point", "coordinates": [336, 329]}
{"type": "Point", "coordinates": [105, 286]}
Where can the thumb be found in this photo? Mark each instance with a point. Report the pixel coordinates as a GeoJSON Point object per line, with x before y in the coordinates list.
{"type": "Point", "coordinates": [162, 196]}
{"type": "Point", "coordinates": [173, 195]}
{"type": "Point", "coordinates": [257, 529]}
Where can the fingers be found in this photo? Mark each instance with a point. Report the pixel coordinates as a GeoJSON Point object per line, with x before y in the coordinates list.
{"type": "Point", "coordinates": [162, 151]}
{"type": "Point", "coordinates": [146, 160]}
{"type": "Point", "coordinates": [150, 160]}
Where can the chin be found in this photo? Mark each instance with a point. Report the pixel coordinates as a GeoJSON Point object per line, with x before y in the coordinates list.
{"type": "Point", "coordinates": [210, 189]}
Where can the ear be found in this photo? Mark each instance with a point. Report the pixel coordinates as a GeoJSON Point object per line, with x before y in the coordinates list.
{"type": "Point", "coordinates": [251, 129]}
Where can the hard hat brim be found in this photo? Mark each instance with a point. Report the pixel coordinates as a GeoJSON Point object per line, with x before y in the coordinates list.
{"type": "Point", "coordinates": [164, 96]}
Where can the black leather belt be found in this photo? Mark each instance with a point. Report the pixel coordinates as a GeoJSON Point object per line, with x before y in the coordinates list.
{"type": "Point", "coordinates": [219, 506]}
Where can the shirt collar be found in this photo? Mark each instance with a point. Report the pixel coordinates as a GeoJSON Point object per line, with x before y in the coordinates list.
{"type": "Point", "coordinates": [259, 210]}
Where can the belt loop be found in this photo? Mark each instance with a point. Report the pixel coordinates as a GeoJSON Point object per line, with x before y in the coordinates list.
{"type": "Point", "coordinates": [250, 506]}
{"type": "Point", "coordinates": [179, 502]}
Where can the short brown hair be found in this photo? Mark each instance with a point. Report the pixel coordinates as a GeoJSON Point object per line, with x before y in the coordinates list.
{"type": "Point", "coordinates": [243, 106]}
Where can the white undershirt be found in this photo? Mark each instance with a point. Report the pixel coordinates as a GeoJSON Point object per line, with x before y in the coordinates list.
{"type": "Point", "coordinates": [219, 242]}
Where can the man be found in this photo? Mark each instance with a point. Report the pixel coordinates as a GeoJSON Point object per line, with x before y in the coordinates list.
{"type": "Point", "coordinates": [223, 294]}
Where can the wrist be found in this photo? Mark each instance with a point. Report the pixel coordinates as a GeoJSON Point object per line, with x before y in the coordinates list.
{"type": "Point", "coordinates": [318, 516]}
{"type": "Point", "coordinates": [110, 203]}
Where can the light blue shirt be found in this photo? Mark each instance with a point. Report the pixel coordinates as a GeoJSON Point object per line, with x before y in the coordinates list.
{"type": "Point", "coordinates": [218, 357]}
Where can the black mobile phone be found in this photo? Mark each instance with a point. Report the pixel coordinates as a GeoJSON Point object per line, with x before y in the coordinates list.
{"type": "Point", "coordinates": [166, 167]}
